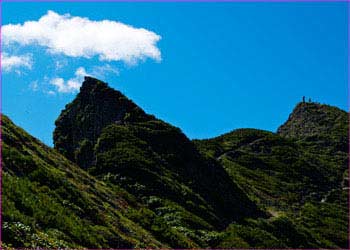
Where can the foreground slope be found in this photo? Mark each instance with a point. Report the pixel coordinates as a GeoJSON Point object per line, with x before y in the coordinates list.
{"type": "Point", "coordinates": [50, 202]}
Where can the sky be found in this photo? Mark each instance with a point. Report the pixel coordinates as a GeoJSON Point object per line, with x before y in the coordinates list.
{"type": "Point", "coordinates": [207, 68]}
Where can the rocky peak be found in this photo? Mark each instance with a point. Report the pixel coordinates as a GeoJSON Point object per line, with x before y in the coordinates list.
{"type": "Point", "coordinates": [96, 106]}
{"type": "Point", "coordinates": [91, 83]}
{"type": "Point", "coordinates": [317, 122]}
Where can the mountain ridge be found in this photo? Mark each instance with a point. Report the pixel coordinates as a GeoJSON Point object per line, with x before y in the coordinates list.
{"type": "Point", "coordinates": [150, 139]}
{"type": "Point", "coordinates": [150, 186]}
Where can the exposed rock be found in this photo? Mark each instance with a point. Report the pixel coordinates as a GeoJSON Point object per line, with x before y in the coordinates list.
{"type": "Point", "coordinates": [95, 107]}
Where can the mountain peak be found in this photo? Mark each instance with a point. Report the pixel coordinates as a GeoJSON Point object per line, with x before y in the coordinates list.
{"type": "Point", "coordinates": [96, 106]}
{"type": "Point", "coordinates": [90, 83]}
{"type": "Point", "coordinates": [315, 121]}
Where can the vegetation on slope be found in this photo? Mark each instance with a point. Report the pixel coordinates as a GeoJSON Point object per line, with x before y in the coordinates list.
{"type": "Point", "coordinates": [323, 125]}
{"type": "Point", "coordinates": [147, 156]}
{"type": "Point", "coordinates": [290, 173]}
{"type": "Point", "coordinates": [132, 180]}
{"type": "Point", "coordinates": [50, 202]}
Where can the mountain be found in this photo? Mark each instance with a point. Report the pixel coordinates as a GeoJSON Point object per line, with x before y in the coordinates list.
{"type": "Point", "coordinates": [111, 137]}
{"type": "Point", "coordinates": [50, 202]}
{"type": "Point", "coordinates": [118, 177]}
{"type": "Point", "coordinates": [324, 125]}
{"type": "Point", "coordinates": [95, 107]}
{"type": "Point", "coordinates": [291, 172]}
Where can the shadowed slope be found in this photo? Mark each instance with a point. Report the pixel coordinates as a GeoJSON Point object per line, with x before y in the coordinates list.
{"type": "Point", "coordinates": [108, 134]}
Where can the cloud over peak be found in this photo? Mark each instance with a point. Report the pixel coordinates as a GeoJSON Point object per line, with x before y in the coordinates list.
{"type": "Point", "coordinates": [81, 37]}
{"type": "Point", "coordinates": [72, 85]}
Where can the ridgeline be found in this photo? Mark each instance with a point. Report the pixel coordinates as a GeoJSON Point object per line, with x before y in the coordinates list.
{"type": "Point", "coordinates": [118, 177]}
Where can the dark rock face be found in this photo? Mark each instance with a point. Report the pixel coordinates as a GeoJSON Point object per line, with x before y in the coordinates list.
{"type": "Point", "coordinates": [95, 107]}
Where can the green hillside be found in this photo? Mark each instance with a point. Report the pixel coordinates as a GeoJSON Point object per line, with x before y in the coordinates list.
{"type": "Point", "coordinates": [121, 178]}
{"type": "Point", "coordinates": [294, 172]}
{"type": "Point", "coordinates": [47, 201]}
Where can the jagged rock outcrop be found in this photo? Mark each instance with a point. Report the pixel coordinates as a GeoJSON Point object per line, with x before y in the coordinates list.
{"type": "Point", "coordinates": [81, 122]}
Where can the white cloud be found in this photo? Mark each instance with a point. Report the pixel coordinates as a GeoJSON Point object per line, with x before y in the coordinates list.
{"type": "Point", "coordinates": [72, 85]}
{"type": "Point", "coordinates": [102, 71]}
{"type": "Point", "coordinates": [59, 64]}
{"type": "Point", "coordinates": [9, 62]}
{"type": "Point", "coordinates": [81, 37]}
{"type": "Point", "coordinates": [34, 85]}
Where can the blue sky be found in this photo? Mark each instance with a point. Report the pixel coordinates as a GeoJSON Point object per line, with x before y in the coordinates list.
{"type": "Point", "coordinates": [220, 66]}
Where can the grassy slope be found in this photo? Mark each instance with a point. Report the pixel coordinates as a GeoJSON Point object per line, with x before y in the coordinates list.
{"type": "Point", "coordinates": [50, 202]}
{"type": "Point", "coordinates": [291, 173]}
